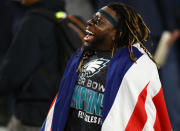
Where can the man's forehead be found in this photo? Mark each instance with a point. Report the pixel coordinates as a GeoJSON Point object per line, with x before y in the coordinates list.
{"type": "Point", "coordinates": [108, 14]}
{"type": "Point", "coordinates": [110, 11]}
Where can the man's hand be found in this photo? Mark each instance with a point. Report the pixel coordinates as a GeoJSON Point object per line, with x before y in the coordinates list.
{"type": "Point", "coordinates": [174, 36]}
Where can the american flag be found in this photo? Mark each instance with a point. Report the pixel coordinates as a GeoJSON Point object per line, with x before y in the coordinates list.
{"type": "Point", "coordinates": [133, 99]}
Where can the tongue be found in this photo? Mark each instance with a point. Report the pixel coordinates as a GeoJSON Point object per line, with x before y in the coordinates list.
{"type": "Point", "coordinates": [88, 37]}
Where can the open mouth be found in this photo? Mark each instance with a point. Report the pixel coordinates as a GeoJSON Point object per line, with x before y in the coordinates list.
{"type": "Point", "coordinates": [89, 32]}
{"type": "Point", "coordinates": [90, 36]}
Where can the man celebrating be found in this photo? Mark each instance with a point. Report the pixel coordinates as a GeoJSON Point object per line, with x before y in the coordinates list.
{"type": "Point", "coordinates": [113, 83]}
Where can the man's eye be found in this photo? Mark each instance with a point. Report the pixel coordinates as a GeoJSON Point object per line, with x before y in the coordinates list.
{"type": "Point", "coordinates": [98, 22]}
{"type": "Point", "coordinates": [94, 21]}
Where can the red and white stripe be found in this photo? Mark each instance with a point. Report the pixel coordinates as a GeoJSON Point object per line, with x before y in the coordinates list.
{"type": "Point", "coordinates": [139, 103]}
{"type": "Point", "coordinates": [48, 126]}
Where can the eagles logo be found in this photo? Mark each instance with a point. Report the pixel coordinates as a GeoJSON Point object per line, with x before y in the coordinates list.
{"type": "Point", "coordinates": [94, 66]}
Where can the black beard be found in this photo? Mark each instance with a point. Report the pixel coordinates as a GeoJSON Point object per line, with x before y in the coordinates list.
{"type": "Point", "coordinates": [95, 44]}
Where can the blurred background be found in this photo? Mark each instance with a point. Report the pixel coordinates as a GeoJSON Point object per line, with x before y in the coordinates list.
{"type": "Point", "coordinates": [18, 29]}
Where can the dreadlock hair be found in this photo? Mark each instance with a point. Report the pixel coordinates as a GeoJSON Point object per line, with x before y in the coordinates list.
{"type": "Point", "coordinates": [133, 29]}
{"type": "Point", "coordinates": [86, 54]}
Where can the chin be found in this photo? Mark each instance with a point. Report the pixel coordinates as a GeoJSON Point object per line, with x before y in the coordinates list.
{"type": "Point", "coordinates": [92, 46]}
{"type": "Point", "coordinates": [90, 43]}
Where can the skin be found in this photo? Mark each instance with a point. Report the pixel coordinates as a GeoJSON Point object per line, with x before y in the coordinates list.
{"type": "Point", "coordinates": [29, 2]}
{"type": "Point", "coordinates": [104, 32]}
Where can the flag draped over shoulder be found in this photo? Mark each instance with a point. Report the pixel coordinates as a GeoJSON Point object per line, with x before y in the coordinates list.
{"type": "Point", "coordinates": [133, 98]}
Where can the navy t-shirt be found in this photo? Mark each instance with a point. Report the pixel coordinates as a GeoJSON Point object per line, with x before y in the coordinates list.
{"type": "Point", "coordinates": [87, 99]}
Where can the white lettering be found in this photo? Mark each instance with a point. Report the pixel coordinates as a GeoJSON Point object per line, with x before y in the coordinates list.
{"type": "Point", "coordinates": [80, 114]}
{"type": "Point", "coordinates": [99, 121]}
{"type": "Point", "coordinates": [101, 88]}
{"type": "Point", "coordinates": [94, 85]}
{"type": "Point", "coordinates": [89, 83]}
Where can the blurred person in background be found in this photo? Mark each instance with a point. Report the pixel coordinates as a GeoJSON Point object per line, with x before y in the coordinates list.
{"type": "Point", "coordinates": [177, 10]}
{"type": "Point", "coordinates": [159, 16]}
{"type": "Point", "coordinates": [29, 70]}
{"type": "Point", "coordinates": [11, 13]}
{"type": "Point", "coordinates": [6, 27]}
{"type": "Point", "coordinates": [113, 82]}
{"type": "Point", "coordinates": [18, 10]}
{"type": "Point", "coordinates": [5, 40]}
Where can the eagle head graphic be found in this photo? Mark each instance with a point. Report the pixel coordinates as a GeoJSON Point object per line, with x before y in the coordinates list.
{"type": "Point", "coordinates": [93, 67]}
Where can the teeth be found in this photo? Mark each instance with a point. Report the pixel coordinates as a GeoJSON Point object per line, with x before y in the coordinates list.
{"type": "Point", "coordinates": [89, 32]}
